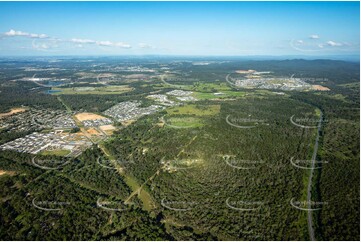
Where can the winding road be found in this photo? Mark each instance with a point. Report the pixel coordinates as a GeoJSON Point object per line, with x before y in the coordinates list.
{"type": "Point", "coordinates": [229, 81]}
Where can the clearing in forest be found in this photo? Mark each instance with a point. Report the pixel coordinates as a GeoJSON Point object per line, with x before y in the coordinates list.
{"type": "Point", "coordinates": [12, 111]}
{"type": "Point", "coordinates": [192, 109]}
{"type": "Point", "coordinates": [88, 116]}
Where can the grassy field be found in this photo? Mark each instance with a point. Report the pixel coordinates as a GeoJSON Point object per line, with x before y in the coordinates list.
{"type": "Point", "coordinates": [131, 181]}
{"type": "Point", "coordinates": [92, 90]}
{"type": "Point", "coordinates": [184, 122]}
{"type": "Point", "coordinates": [188, 116]}
{"type": "Point", "coordinates": [211, 87]}
{"type": "Point", "coordinates": [144, 196]}
{"type": "Point", "coordinates": [224, 94]}
{"type": "Point", "coordinates": [206, 95]}
{"type": "Point", "coordinates": [351, 85]}
{"type": "Point", "coordinates": [197, 110]}
{"type": "Point", "coordinates": [55, 152]}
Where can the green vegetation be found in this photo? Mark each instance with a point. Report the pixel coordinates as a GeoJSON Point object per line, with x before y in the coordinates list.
{"type": "Point", "coordinates": [75, 192]}
{"type": "Point", "coordinates": [55, 152]}
{"type": "Point", "coordinates": [209, 143]}
{"type": "Point", "coordinates": [18, 94]}
{"type": "Point", "coordinates": [197, 110]}
{"type": "Point", "coordinates": [130, 180]}
{"type": "Point", "coordinates": [184, 173]}
{"type": "Point", "coordinates": [184, 122]}
{"type": "Point", "coordinates": [91, 90]}
{"type": "Point", "coordinates": [339, 177]}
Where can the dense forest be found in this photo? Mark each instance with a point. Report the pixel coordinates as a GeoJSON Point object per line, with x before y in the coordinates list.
{"type": "Point", "coordinates": [211, 169]}
{"type": "Point", "coordinates": [210, 181]}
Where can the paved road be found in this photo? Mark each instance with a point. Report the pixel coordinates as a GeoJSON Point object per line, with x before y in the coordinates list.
{"type": "Point", "coordinates": [309, 188]}
{"type": "Point", "coordinates": [229, 81]}
{"type": "Point", "coordinates": [169, 84]}
{"type": "Point", "coordinates": [39, 84]}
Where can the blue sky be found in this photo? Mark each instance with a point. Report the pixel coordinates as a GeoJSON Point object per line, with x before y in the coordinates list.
{"type": "Point", "coordinates": [180, 28]}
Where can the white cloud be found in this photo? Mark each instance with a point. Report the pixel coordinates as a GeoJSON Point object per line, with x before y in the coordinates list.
{"type": "Point", "coordinates": [145, 46]}
{"type": "Point", "coordinates": [101, 43]}
{"type": "Point", "coordinates": [45, 45]}
{"type": "Point", "coordinates": [113, 44]}
{"type": "Point", "coordinates": [300, 41]}
{"type": "Point", "coordinates": [40, 36]}
{"type": "Point", "coordinates": [320, 45]}
{"type": "Point", "coordinates": [104, 43]}
{"type": "Point", "coordinates": [299, 47]}
{"type": "Point", "coordinates": [13, 33]}
{"type": "Point", "coordinates": [332, 43]}
{"type": "Point", "coordinates": [83, 41]}
{"type": "Point", "coordinates": [122, 45]}
{"type": "Point", "coordinates": [314, 36]}
{"type": "Point", "coordinates": [79, 42]}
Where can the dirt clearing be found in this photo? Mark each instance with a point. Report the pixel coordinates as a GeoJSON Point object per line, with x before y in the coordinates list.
{"type": "Point", "coordinates": [88, 116]}
{"type": "Point", "coordinates": [11, 173]}
{"type": "Point", "coordinates": [320, 88]}
{"type": "Point", "coordinates": [12, 111]}
{"type": "Point", "coordinates": [107, 127]}
{"type": "Point", "coordinates": [93, 131]}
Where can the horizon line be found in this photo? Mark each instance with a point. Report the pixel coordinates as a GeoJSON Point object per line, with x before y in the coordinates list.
{"type": "Point", "coordinates": [352, 57]}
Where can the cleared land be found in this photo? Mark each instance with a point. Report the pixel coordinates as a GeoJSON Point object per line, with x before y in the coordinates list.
{"type": "Point", "coordinates": [185, 122]}
{"type": "Point", "coordinates": [93, 90]}
{"type": "Point", "coordinates": [197, 110]}
{"type": "Point", "coordinates": [245, 71]}
{"type": "Point", "coordinates": [10, 173]}
{"type": "Point", "coordinates": [223, 94]}
{"type": "Point", "coordinates": [12, 111]}
{"type": "Point", "coordinates": [93, 131]}
{"type": "Point", "coordinates": [189, 116]}
{"type": "Point", "coordinates": [107, 127]}
{"type": "Point", "coordinates": [320, 88]}
{"type": "Point", "coordinates": [88, 116]}
{"type": "Point", "coordinates": [128, 122]}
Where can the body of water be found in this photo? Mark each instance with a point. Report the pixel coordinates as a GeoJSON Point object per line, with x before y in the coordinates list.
{"type": "Point", "coordinates": [51, 91]}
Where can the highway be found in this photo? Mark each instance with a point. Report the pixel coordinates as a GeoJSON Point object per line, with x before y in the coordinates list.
{"type": "Point", "coordinates": [229, 81]}
{"type": "Point", "coordinates": [309, 188]}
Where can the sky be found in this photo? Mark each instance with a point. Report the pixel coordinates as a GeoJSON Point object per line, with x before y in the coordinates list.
{"type": "Point", "coordinates": [180, 28]}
